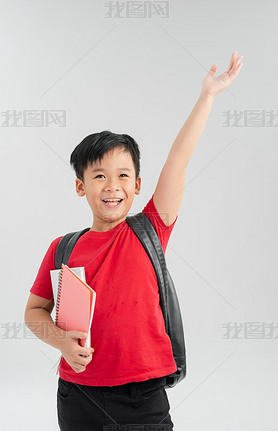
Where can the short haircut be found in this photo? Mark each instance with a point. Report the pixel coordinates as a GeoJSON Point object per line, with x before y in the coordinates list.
{"type": "Point", "coordinates": [94, 146]}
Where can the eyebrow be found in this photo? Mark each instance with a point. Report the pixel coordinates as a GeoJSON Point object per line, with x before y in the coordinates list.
{"type": "Point", "coordinates": [103, 170]}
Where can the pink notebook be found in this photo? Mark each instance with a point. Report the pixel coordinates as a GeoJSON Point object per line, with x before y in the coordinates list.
{"type": "Point", "coordinates": [75, 304]}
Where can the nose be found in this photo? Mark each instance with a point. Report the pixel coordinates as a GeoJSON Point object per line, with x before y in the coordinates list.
{"type": "Point", "coordinates": [112, 186]}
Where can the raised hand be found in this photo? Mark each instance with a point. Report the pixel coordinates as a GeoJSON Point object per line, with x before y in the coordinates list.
{"type": "Point", "coordinates": [214, 85]}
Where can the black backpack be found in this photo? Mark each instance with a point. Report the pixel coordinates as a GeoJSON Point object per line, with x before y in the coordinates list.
{"type": "Point", "coordinates": [143, 228]}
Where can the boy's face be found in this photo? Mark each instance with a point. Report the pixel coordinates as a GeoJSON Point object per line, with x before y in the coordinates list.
{"type": "Point", "coordinates": [116, 180]}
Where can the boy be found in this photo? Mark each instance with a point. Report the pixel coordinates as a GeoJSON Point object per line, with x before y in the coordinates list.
{"type": "Point", "coordinates": [120, 380]}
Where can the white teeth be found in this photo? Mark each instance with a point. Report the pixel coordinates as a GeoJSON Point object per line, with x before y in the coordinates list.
{"type": "Point", "coordinates": [112, 202]}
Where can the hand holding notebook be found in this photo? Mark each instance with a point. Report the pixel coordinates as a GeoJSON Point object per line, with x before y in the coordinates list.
{"type": "Point", "coordinates": [75, 303]}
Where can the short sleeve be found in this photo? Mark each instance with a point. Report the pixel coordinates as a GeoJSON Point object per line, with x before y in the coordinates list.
{"type": "Point", "coordinates": [42, 285]}
{"type": "Point", "coordinates": [163, 231]}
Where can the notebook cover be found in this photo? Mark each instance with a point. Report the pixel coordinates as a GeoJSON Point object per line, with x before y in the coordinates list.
{"type": "Point", "coordinates": [55, 273]}
{"type": "Point", "coordinates": [75, 304]}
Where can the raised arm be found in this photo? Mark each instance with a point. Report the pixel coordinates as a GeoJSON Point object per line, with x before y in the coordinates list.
{"type": "Point", "coordinates": [170, 186]}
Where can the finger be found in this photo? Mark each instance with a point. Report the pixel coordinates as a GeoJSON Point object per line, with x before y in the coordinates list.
{"type": "Point", "coordinates": [82, 351]}
{"type": "Point", "coordinates": [81, 362]}
{"type": "Point", "coordinates": [236, 63]}
{"type": "Point", "coordinates": [85, 358]}
{"type": "Point", "coordinates": [80, 370]}
{"type": "Point", "coordinates": [236, 66]}
{"type": "Point", "coordinates": [232, 62]}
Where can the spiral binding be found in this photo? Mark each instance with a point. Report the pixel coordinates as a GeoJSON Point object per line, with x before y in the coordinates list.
{"type": "Point", "coordinates": [59, 294]}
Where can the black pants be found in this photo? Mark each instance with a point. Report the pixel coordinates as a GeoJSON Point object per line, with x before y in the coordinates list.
{"type": "Point", "coordinates": [105, 408]}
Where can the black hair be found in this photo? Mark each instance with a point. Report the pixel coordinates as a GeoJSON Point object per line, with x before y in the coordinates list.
{"type": "Point", "coordinates": [94, 146]}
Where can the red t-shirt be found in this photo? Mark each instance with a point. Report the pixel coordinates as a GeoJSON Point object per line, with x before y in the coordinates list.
{"type": "Point", "coordinates": [128, 331]}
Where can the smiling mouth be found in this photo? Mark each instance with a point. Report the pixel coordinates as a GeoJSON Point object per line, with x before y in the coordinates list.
{"type": "Point", "coordinates": [112, 204]}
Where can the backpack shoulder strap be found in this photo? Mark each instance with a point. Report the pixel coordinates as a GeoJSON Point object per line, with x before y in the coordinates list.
{"type": "Point", "coordinates": [169, 303]}
{"type": "Point", "coordinates": [65, 247]}
{"type": "Point", "coordinates": [144, 230]}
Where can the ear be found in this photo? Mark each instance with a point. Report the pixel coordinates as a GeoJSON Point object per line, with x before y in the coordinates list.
{"type": "Point", "coordinates": [79, 186]}
{"type": "Point", "coordinates": [138, 186]}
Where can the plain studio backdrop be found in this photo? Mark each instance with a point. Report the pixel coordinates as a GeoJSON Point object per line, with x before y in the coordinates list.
{"type": "Point", "coordinates": [71, 68]}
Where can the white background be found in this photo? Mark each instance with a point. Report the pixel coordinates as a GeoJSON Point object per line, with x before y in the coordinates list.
{"type": "Point", "coordinates": [142, 76]}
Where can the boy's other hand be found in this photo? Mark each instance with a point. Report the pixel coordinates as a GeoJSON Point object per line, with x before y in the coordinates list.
{"type": "Point", "coordinates": [213, 85]}
{"type": "Point", "coordinates": [77, 357]}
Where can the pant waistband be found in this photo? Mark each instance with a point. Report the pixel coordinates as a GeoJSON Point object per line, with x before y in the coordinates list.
{"type": "Point", "coordinates": [135, 387]}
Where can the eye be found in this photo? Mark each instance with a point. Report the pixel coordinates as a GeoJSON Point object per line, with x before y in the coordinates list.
{"type": "Point", "coordinates": [100, 175]}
